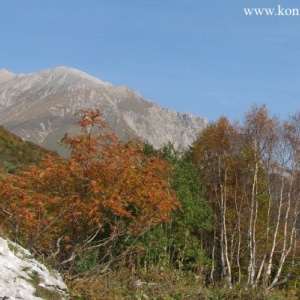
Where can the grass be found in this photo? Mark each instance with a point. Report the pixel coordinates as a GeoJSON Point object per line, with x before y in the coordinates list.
{"type": "Point", "coordinates": [164, 285]}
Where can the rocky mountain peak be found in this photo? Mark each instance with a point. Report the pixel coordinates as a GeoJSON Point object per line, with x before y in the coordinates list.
{"type": "Point", "coordinates": [66, 75]}
{"type": "Point", "coordinates": [5, 75]}
{"type": "Point", "coordinates": [40, 107]}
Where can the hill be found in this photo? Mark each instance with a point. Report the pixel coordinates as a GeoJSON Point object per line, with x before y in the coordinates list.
{"type": "Point", "coordinates": [15, 153]}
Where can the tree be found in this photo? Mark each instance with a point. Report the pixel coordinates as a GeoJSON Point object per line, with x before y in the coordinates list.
{"type": "Point", "coordinates": [250, 174]}
{"type": "Point", "coordinates": [177, 243]}
{"type": "Point", "coordinates": [105, 193]}
{"type": "Point", "coordinates": [216, 155]}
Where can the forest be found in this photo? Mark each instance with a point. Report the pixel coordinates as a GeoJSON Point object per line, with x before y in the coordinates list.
{"type": "Point", "coordinates": [122, 220]}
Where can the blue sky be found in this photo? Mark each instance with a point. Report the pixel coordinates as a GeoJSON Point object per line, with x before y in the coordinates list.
{"type": "Point", "coordinates": [195, 56]}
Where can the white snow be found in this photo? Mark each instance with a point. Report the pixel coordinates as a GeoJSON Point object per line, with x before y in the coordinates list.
{"type": "Point", "coordinates": [17, 271]}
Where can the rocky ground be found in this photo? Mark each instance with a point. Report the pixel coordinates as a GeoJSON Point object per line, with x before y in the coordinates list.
{"type": "Point", "coordinates": [24, 278]}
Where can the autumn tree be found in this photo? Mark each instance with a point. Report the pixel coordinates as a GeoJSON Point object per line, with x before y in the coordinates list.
{"type": "Point", "coordinates": [250, 172]}
{"type": "Point", "coordinates": [107, 192]}
{"type": "Point", "coordinates": [285, 205]}
{"type": "Point", "coordinates": [216, 154]}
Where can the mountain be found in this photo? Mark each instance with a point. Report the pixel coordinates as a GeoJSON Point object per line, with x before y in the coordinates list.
{"type": "Point", "coordinates": [41, 107]}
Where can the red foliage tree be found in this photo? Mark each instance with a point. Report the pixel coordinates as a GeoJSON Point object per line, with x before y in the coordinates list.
{"type": "Point", "coordinates": [108, 190]}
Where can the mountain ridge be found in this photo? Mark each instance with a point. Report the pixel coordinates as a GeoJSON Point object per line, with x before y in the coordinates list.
{"type": "Point", "coordinates": [41, 107]}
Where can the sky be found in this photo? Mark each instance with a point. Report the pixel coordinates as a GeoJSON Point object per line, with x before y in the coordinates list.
{"type": "Point", "coordinates": [195, 56]}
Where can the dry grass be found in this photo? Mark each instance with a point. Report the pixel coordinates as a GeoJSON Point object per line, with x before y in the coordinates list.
{"type": "Point", "coordinates": [122, 284]}
{"type": "Point", "coordinates": [162, 285]}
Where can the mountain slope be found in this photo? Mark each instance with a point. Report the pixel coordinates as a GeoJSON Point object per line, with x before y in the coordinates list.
{"type": "Point", "coordinates": [15, 153]}
{"type": "Point", "coordinates": [41, 107]}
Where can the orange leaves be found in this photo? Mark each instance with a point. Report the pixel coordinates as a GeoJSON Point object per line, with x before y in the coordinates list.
{"type": "Point", "coordinates": [95, 186]}
{"type": "Point", "coordinates": [91, 118]}
{"type": "Point", "coordinates": [105, 183]}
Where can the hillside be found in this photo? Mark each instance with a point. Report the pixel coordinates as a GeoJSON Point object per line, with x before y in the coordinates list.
{"type": "Point", "coordinates": [14, 152]}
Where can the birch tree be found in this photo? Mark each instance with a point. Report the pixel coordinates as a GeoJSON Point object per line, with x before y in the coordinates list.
{"type": "Point", "coordinates": [251, 178]}
{"type": "Point", "coordinates": [215, 153]}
